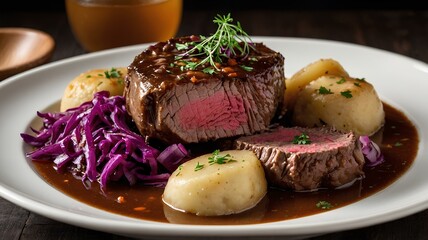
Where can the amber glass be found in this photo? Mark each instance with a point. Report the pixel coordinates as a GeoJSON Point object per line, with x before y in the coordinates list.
{"type": "Point", "coordinates": [104, 24]}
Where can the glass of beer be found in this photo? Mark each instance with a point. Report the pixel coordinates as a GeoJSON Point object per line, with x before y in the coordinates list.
{"type": "Point", "coordinates": [104, 24]}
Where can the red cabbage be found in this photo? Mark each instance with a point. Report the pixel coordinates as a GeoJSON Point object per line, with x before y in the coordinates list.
{"type": "Point", "coordinates": [371, 151]}
{"type": "Point", "coordinates": [97, 142]}
{"type": "Point", "coordinates": [171, 157]}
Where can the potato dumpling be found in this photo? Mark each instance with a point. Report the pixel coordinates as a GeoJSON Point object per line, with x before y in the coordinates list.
{"type": "Point", "coordinates": [348, 104]}
{"type": "Point", "coordinates": [221, 183]}
{"type": "Point", "coordinates": [300, 79]}
{"type": "Point", "coordinates": [83, 87]}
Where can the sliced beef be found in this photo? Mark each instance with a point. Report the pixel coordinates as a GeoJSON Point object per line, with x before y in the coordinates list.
{"type": "Point", "coordinates": [331, 159]}
{"type": "Point", "coordinates": [171, 103]}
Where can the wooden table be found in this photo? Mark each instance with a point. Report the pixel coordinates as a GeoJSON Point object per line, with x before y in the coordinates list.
{"type": "Point", "coordinates": [401, 31]}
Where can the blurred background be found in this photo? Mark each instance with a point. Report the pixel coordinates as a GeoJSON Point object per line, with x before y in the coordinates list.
{"type": "Point", "coordinates": [398, 26]}
{"type": "Point", "coordinates": [58, 5]}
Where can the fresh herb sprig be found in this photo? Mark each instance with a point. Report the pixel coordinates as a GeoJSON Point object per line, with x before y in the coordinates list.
{"type": "Point", "coordinates": [113, 73]}
{"type": "Point", "coordinates": [220, 159]}
{"type": "Point", "coordinates": [323, 90]}
{"type": "Point", "coordinates": [346, 94]}
{"type": "Point", "coordinates": [199, 166]}
{"type": "Point", "coordinates": [324, 205]}
{"type": "Point", "coordinates": [224, 43]}
{"type": "Point", "coordinates": [301, 139]}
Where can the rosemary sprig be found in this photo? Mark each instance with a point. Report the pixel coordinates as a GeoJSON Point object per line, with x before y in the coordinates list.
{"type": "Point", "coordinates": [224, 43]}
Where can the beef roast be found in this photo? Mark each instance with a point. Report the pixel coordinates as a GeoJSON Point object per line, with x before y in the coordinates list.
{"type": "Point", "coordinates": [331, 159]}
{"type": "Point", "coordinates": [171, 103]}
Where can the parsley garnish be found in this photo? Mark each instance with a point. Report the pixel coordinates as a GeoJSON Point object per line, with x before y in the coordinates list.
{"type": "Point", "coordinates": [219, 159]}
{"type": "Point", "coordinates": [188, 65]}
{"type": "Point", "coordinates": [179, 170]}
{"type": "Point", "coordinates": [224, 43]}
{"type": "Point", "coordinates": [323, 90]}
{"type": "Point", "coordinates": [208, 70]}
{"type": "Point", "coordinates": [254, 59]}
{"type": "Point", "coordinates": [199, 166]}
{"type": "Point", "coordinates": [301, 139]}
{"type": "Point", "coordinates": [357, 84]}
{"type": "Point", "coordinates": [246, 68]}
{"type": "Point", "coordinates": [113, 73]}
{"type": "Point", "coordinates": [346, 94]}
{"type": "Point", "coordinates": [398, 144]}
{"type": "Point", "coordinates": [324, 205]}
{"type": "Point", "coordinates": [342, 80]}
{"type": "Point", "coordinates": [361, 79]}
{"type": "Point", "coordinates": [181, 46]}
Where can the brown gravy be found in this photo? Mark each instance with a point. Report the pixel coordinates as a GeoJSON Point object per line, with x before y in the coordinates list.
{"type": "Point", "coordinates": [398, 140]}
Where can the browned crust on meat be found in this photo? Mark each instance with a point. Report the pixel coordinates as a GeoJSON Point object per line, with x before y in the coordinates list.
{"type": "Point", "coordinates": [156, 90]}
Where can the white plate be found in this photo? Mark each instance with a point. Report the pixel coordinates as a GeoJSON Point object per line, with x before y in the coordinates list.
{"type": "Point", "coordinates": [400, 81]}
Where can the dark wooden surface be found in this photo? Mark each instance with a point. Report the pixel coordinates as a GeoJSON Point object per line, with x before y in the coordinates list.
{"type": "Point", "coordinates": [401, 31]}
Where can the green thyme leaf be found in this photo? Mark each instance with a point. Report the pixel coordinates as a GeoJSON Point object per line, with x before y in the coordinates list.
{"type": "Point", "coordinates": [208, 70]}
{"type": "Point", "coordinates": [346, 94]}
{"type": "Point", "coordinates": [199, 166]}
{"type": "Point", "coordinates": [181, 46]}
{"type": "Point", "coordinates": [229, 40]}
{"type": "Point", "coordinates": [301, 139]}
{"type": "Point", "coordinates": [324, 205]}
{"type": "Point", "coordinates": [342, 80]}
{"type": "Point", "coordinates": [113, 73]}
{"type": "Point", "coordinates": [357, 84]}
{"type": "Point", "coordinates": [254, 59]}
{"type": "Point", "coordinates": [179, 170]}
{"type": "Point", "coordinates": [323, 90]}
{"type": "Point", "coordinates": [189, 65]}
{"type": "Point", "coordinates": [247, 68]}
{"type": "Point", "coordinates": [220, 159]}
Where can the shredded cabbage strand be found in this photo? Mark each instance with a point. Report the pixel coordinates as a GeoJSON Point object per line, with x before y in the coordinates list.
{"type": "Point", "coordinates": [371, 152]}
{"type": "Point", "coordinates": [95, 142]}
